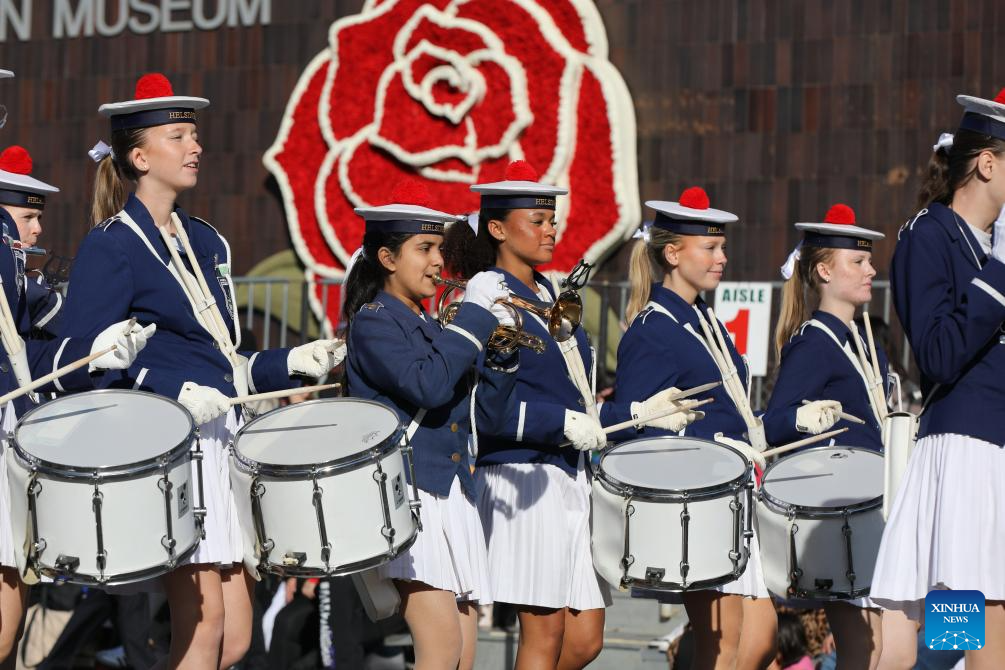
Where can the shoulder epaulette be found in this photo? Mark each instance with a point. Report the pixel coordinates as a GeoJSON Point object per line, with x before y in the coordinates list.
{"type": "Point", "coordinates": [372, 306]}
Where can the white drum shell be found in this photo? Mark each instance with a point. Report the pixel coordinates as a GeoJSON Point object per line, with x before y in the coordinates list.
{"type": "Point", "coordinates": [652, 533]}
{"type": "Point", "coordinates": [132, 515]}
{"type": "Point", "coordinates": [820, 546]}
{"type": "Point", "coordinates": [353, 513]}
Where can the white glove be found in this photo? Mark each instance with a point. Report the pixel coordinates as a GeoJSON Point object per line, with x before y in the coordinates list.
{"type": "Point", "coordinates": [127, 345]}
{"type": "Point", "coordinates": [659, 403]}
{"type": "Point", "coordinates": [584, 431]}
{"type": "Point", "coordinates": [748, 451]}
{"type": "Point", "coordinates": [817, 416]}
{"type": "Point", "coordinates": [485, 288]}
{"type": "Point", "coordinates": [998, 237]}
{"type": "Point", "coordinates": [204, 403]}
{"type": "Point", "coordinates": [503, 315]}
{"type": "Point", "coordinates": [317, 358]}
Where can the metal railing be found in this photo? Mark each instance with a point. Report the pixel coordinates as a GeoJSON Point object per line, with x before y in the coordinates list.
{"type": "Point", "coordinates": [278, 313]}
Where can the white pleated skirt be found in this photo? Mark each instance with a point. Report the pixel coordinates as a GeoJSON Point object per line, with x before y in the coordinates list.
{"type": "Point", "coordinates": [223, 544]}
{"type": "Point", "coordinates": [947, 525]}
{"type": "Point", "coordinates": [7, 424]}
{"type": "Point", "coordinates": [449, 552]}
{"type": "Point", "coordinates": [537, 523]}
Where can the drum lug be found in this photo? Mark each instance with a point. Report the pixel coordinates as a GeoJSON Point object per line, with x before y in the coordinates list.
{"type": "Point", "coordinates": [200, 511]}
{"type": "Point", "coordinates": [737, 508]}
{"type": "Point", "coordinates": [101, 557]}
{"type": "Point", "coordinates": [846, 532]}
{"type": "Point", "coordinates": [326, 547]}
{"type": "Point", "coordinates": [387, 531]}
{"type": "Point", "coordinates": [795, 573]}
{"type": "Point", "coordinates": [265, 545]}
{"type": "Point", "coordinates": [167, 540]}
{"type": "Point", "coordinates": [654, 575]}
{"type": "Point", "coordinates": [38, 544]}
{"type": "Point", "coordinates": [414, 504]}
{"type": "Point", "coordinates": [627, 559]}
{"type": "Point", "coordinates": [685, 523]}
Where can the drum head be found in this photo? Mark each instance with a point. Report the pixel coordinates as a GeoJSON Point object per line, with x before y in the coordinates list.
{"type": "Point", "coordinates": [825, 478]}
{"type": "Point", "coordinates": [317, 432]}
{"type": "Point", "coordinates": [103, 429]}
{"type": "Point", "coordinates": [672, 464]}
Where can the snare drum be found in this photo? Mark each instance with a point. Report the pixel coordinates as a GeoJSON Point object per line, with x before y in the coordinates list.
{"type": "Point", "coordinates": [321, 488]}
{"type": "Point", "coordinates": [819, 515]}
{"type": "Point", "coordinates": [101, 486]}
{"type": "Point", "coordinates": [671, 513]}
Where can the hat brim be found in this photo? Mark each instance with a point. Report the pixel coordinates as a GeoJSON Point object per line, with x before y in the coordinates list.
{"type": "Point", "coordinates": [518, 187]}
{"type": "Point", "coordinates": [6, 74]}
{"type": "Point", "coordinates": [412, 212]}
{"type": "Point", "coordinates": [842, 229]}
{"type": "Point", "coordinates": [990, 108]}
{"type": "Point", "coordinates": [132, 106]}
{"type": "Point", "coordinates": [13, 181]}
{"type": "Point", "coordinates": [675, 210]}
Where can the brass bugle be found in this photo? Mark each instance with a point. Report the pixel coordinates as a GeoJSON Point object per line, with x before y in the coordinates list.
{"type": "Point", "coordinates": [562, 316]}
{"type": "Point", "coordinates": [504, 339]}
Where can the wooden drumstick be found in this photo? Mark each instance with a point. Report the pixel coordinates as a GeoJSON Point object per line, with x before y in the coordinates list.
{"type": "Point", "coordinates": [285, 393]}
{"type": "Point", "coordinates": [642, 420]}
{"type": "Point", "coordinates": [842, 415]}
{"type": "Point", "coordinates": [42, 381]}
{"type": "Point", "coordinates": [801, 443]}
{"type": "Point", "coordinates": [632, 423]}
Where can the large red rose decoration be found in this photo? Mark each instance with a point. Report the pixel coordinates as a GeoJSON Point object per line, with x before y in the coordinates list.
{"type": "Point", "coordinates": [450, 91]}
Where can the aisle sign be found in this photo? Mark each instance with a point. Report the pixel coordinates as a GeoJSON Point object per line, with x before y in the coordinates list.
{"type": "Point", "coordinates": [745, 308]}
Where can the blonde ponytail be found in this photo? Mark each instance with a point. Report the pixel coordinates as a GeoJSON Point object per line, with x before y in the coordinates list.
{"type": "Point", "coordinates": [109, 191]}
{"type": "Point", "coordinates": [114, 170]}
{"type": "Point", "coordinates": [795, 306]}
{"type": "Point", "coordinates": [647, 257]}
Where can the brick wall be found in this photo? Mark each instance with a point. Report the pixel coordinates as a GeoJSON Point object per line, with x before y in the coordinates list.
{"type": "Point", "coordinates": [777, 107]}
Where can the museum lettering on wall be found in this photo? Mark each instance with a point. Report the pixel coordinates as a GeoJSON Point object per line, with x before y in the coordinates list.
{"type": "Point", "coordinates": [107, 18]}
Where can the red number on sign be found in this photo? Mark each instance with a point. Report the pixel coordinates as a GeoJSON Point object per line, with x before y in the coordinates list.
{"type": "Point", "coordinates": [738, 328]}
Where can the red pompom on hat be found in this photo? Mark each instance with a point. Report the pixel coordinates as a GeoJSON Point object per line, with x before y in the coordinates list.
{"type": "Point", "coordinates": [411, 192]}
{"type": "Point", "coordinates": [1000, 98]}
{"type": "Point", "coordinates": [521, 171]}
{"type": "Point", "coordinates": [153, 85]}
{"type": "Point", "coordinates": [840, 214]}
{"type": "Point", "coordinates": [15, 159]}
{"type": "Point", "coordinates": [694, 197]}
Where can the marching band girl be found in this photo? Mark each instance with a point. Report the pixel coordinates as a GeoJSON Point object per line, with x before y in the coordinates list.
{"type": "Point", "coordinates": [147, 258]}
{"type": "Point", "coordinates": [946, 528]}
{"type": "Point", "coordinates": [403, 358]}
{"type": "Point", "coordinates": [673, 342]}
{"type": "Point", "coordinates": [827, 369]}
{"type": "Point", "coordinates": [22, 201]}
{"type": "Point", "coordinates": [534, 495]}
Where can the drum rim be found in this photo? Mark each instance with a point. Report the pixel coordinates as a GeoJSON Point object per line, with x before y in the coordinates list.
{"type": "Point", "coordinates": [344, 464]}
{"type": "Point", "coordinates": [814, 511]}
{"type": "Point", "coordinates": [69, 472]}
{"type": "Point", "coordinates": [672, 495]}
